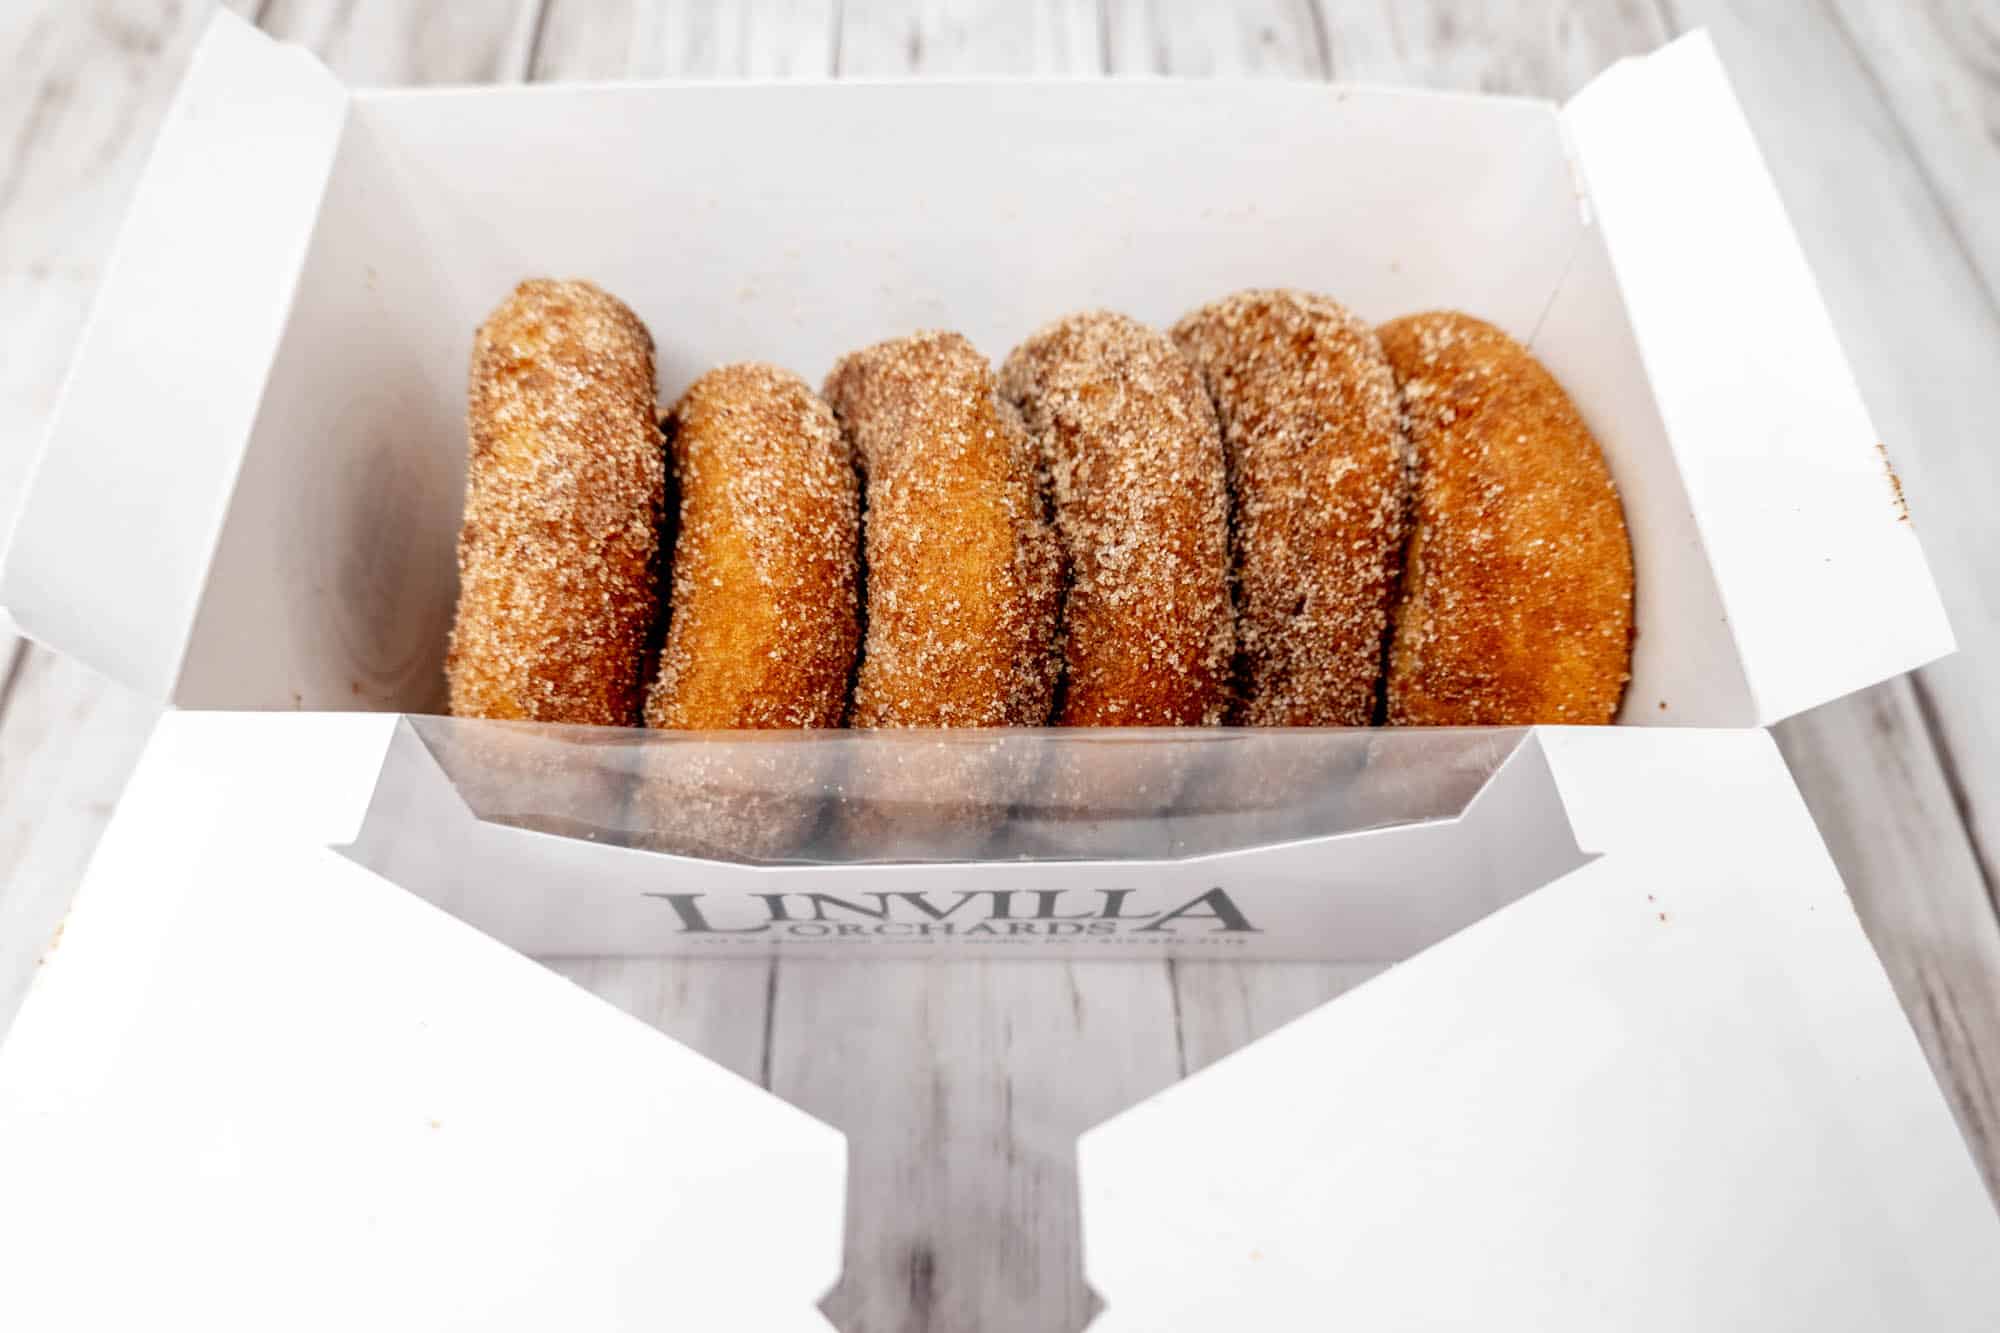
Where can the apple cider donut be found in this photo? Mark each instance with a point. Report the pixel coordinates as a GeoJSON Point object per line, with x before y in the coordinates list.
{"type": "Point", "coordinates": [558, 555]}
{"type": "Point", "coordinates": [1319, 468]}
{"type": "Point", "coordinates": [761, 619]}
{"type": "Point", "coordinates": [1129, 440]}
{"type": "Point", "coordinates": [963, 571]}
{"type": "Point", "coordinates": [963, 577]}
{"type": "Point", "coordinates": [1516, 605]}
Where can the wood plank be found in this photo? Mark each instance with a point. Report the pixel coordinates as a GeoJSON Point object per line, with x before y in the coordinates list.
{"type": "Point", "coordinates": [716, 1006]}
{"type": "Point", "coordinates": [884, 38]}
{"type": "Point", "coordinates": [687, 39]}
{"type": "Point", "coordinates": [962, 1087]}
{"type": "Point", "coordinates": [1224, 1006]}
{"type": "Point", "coordinates": [1937, 69]}
{"type": "Point", "coordinates": [1264, 39]}
{"type": "Point", "coordinates": [1534, 48]}
{"type": "Point", "coordinates": [1914, 315]}
{"type": "Point", "coordinates": [394, 42]}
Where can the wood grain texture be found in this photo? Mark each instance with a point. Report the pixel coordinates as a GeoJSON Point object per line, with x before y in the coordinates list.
{"type": "Point", "coordinates": [962, 1088]}
{"type": "Point", "coordinates": [886, 38]}
{"type": "Point", "coordinates": [716, 1006]}
{"type": "Point", "coordinates": [394, 42]}
{"type": "Point", "coordinates": [1536, 48]}
{"type": "Point", "coordinates": [688, 39]}
{"type": "Point", "coordinates": [1257, 39]}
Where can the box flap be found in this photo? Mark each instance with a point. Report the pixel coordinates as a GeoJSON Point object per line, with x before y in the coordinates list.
{"type": "Point", "coordinates": [285, 1094]}
{"type": "Point", "coordinates": [1821, 577]}
{"type": "Point", "coordinates": [1671, 1091]}
{"type": "Point", "coordinates": [111, 547]}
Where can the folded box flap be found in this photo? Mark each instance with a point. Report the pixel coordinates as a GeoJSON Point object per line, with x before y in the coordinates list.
{"type": "Point", "coordinates": [1821, 575]}
{"type": "Point", "coordinates": [111, 548]}
{"type": "Point", "coordinates": [252, 1070]}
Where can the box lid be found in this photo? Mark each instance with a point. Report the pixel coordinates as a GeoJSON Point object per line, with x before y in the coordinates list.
{"type": "Point", "coordinates": [272, 1090]}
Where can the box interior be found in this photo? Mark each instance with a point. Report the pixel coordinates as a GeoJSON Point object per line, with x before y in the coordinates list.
{"type": "Point", "coordinates": [805, 221]}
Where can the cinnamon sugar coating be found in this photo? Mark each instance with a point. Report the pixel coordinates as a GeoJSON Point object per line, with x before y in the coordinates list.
{"type": "Point", "coordinates": [1129, 440]}
{"type": "Point", "coordinates": [963, 571]}
{"type": "Point", "coordinates": [1319, 470]}
{"type": "Point", "coordinates": [558, 555]}
{"type": "Point", "coordinates": [1516, 606]}
{"type": "Point", "coordinates": [762, 617]}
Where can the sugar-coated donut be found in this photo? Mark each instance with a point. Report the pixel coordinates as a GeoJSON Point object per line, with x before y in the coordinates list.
{"type": "Point", "coordinates": [558, 555]}
{"type": "Point", "coordinates": [1141, 496]}
{"type": "Point", "coordinates": [963, 570]}
{"type": "Point", "coordinates": [761, 618]}
{"type": "Point", "coordinates": [1516, 606]}
{"type": "Point", "coordinates": [1319, 467]}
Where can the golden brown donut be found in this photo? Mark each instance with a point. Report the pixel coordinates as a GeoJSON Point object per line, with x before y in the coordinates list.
{"type": "Point", "coordinates": [963, 570]}
{"type": "Point", "coordinates": [558, 556]}
{"type": "Point", "coordinates": [1516, 605]}
{"type": "Point", "coordinates": [962, 585]}
{"type": "Point", "coordinates": [1319, 468]}
{"type": "Point", "coordinates": [762, 616]}
{"type": "Point", "coordinates": [761, 625]}
{"type": "Point", "coordinates": [1129, 440]}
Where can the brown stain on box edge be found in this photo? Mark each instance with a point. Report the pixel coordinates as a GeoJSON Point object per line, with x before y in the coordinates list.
{"type": "Point", "coordinates": [1895, 483]}
{"type": "Point", "coordinates": [55, 941]}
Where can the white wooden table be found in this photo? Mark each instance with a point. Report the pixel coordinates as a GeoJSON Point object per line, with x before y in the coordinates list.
{"type": "Point", "coordinates": [1877, 118]}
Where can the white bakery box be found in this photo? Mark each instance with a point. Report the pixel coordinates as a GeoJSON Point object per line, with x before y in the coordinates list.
{"type": "Point", "coordinates": [1625, 1061]}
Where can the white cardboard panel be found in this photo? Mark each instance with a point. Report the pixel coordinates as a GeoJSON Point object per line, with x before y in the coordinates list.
{"type": "Point", "coordinates": [811, 219]}
{"type": "Point", "coordinates": [1671, 1091]}
{"type": "Point", "coordinates": [247, 1061]}
{"type": "Point", "coordinates": [112, 545]}
{"type": "Point", "coordinates": [334, 575]}
{"type": "Point", "coordinates": [1802, 520]}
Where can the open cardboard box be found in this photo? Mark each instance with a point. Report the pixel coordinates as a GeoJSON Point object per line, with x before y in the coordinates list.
{"type": "Point", "coordinates": [1654, 1078]}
